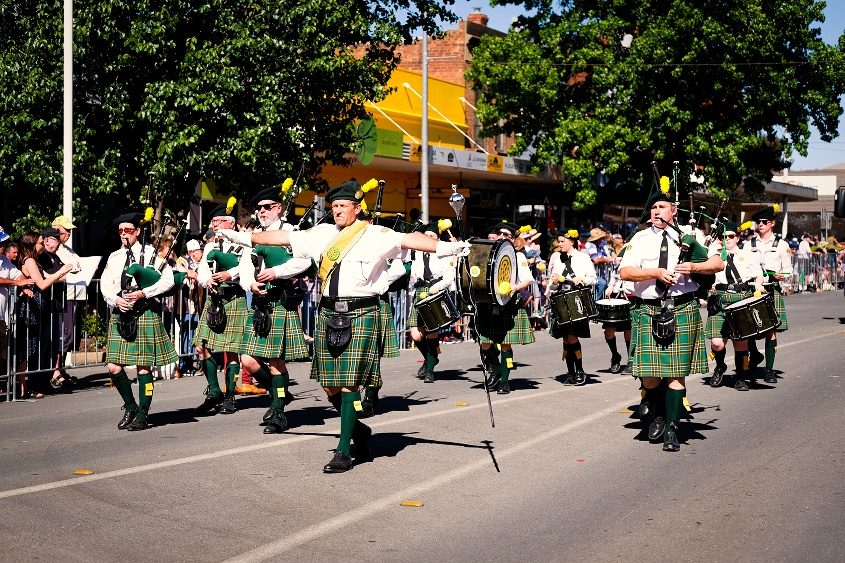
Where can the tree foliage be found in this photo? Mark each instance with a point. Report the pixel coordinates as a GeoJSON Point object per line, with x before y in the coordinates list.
{"type": "Point", "coordinates": [243, 92]}
{"type": "Point", "coordinates": [730, 85]}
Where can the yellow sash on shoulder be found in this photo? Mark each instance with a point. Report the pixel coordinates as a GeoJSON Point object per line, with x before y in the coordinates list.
{"type": "Point", "coordinates": [339, 247]}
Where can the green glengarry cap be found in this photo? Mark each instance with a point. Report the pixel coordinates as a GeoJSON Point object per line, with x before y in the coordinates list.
{"type": "Point", "coordinates": [348, 191]}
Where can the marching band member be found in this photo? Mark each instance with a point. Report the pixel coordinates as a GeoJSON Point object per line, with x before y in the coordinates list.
{"type": "Point", "coordinates": [778, 267]}
{"type": "Point", "coordinates": [741, 278]}
{"type": "Point", "coordinates": [625, 288]}
{"type": "Point", "coordinates": [273, 333]}
{"type": "Point", "coordinates": [352, 256]}
{"type": "Point", "coordinates": [136, 334]}
{"type": "Point", "coordinates": [499, 328]}
{"type": "Point", "coordinates": [571, 269]}
{"type": "Point", "coordinates": [224, 292]}
{"type": "Point", "coordinates": [665, 293]}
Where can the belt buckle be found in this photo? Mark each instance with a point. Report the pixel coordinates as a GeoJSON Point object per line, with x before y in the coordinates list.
{"type": "Point", "coordinates": [667, 303]}
{"type": "Point", "coordinates": [341, 306]}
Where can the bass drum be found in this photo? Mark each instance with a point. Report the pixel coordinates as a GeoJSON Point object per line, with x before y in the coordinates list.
{"type": "Point", "coordinates": [489, 264]}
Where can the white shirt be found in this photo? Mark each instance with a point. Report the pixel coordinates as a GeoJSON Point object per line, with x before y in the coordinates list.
{"type": "Point", "coordinates": [643, 251]}
{"type": "Point", "coordinates": [775, 257]}
{"type": "Point", "coordinates": [10, 272]}
{"type": "Point", "coordinates": [204, 270]}
{"type": "Point", "coordinates": [361, 272]}
{"type": "Point", "coordinates": [435, 264]}
{"type": "Point", "coordinates": [804, 249]}
{"type": "Point", "coordinates": [291, 268]}
{"type": "Point", "coordinates": [113, 273]}
{"type": "Point", "coordinates": [581, 264]}
{"type": "Point", "coordinates": [747, 263]}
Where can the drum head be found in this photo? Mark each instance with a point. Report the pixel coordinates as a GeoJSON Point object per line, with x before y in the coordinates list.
{"type": "Point", "coordinates": [743, 303]}
{"type": "Point", "coordinates": [502, 269]}
{"type": "Point", "coordinates": [489, 263]}
{"type": "Point", "coordinates": [613, 303]}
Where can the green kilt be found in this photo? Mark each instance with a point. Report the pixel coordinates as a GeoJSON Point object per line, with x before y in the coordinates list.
{"type": "Point", "coordinates": [358, 364]}
{"type": "Point", "coordinates": [413, 319]}
{"type": "Point", "coordinates": [389, 347]}
{"type": "Point", "coordinates": [506, 327]}
{"type": "Point", "coordinates": [635, 330]}
{"type": "Point", "coordinates": [716, 326]}
{"type": "Point", "coordinates": [685, 356]}
{"type": "Point", "coordinates": [780, 307]}
{"type": "Point", "coordinates": [285, 339]}
{"type": "Point", "coordinates": [152, 346]}
{"type": "Point", "coordinates": [231, 339]}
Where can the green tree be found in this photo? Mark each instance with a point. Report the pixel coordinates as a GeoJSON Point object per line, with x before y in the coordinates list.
{"type": "Point", "coordinates": [243, 92]}
{"type": "Point", "coordinates": [731, 86]}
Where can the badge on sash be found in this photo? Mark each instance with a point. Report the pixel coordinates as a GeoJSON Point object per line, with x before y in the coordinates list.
{"type": "Point", "coordinates": [333, 253]}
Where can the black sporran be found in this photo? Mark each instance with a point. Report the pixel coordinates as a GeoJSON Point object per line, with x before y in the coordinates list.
{"type": "Point", "coordinates": [262, 319]}
{"type": "Point", "coordinates": [663, 327]}
{"type": "Point", "coordinates": [338, 334]}
{"type": "Point", "coordinates": [216, 317]}
{"type": "Point", "coordinates": [127, 325]}
{"type": "Point", "coordinates": [714, 304]}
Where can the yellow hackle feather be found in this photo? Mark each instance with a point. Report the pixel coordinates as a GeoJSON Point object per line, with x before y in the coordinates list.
{"type": "Point", "coordinates": [371, 183]}
{"type": "Point", "coordinates": [230, 204]}
{"type": "Point", "coordinates": [746, 225]}
{"type": "Point", "coordinates": [664, 184]}
{"type": "Point", "coordinates": [286, 185]}
{"type": "Point", "coordinates": [148, 214]}
{"type": "Point", "coordinates": [572, 233]}
{"type": "Point", "coordinates": [364, 205]}
{"type": "Point", "coordinates": [776, 208]}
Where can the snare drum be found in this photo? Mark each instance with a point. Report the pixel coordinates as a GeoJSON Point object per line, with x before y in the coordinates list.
{"type": "Point", "coordinates": [751, 317]}
{"type": "Point", "coordinates": [437, 311]}
{"type": "Point", "coordinates": [613, 311]}
{"type": "Point", "coordinates": [489, 263]}
{"type": "Point", "coordinates": [573, 305]}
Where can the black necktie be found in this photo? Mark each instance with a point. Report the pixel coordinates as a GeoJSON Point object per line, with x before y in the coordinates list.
{"type": "Point", "coordinates": [567, 265]}
{"type": "Point", "coordinates": [334, 281]}
{"type": "Point", "coordinates": [731, 272]}
{"type": "Point", "coordinates": [663, 261]}
{"type": "Point", "coordinates": [427, 275]}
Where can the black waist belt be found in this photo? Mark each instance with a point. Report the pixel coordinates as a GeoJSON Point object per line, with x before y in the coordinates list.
{"type": "Point", "coordinates": [229, 292]}
{"type": "Point", "coordinates": [384, 297]}
{"type": "Point", "coordinates": [348, 304]}
{"type": "Point", "coordinates": [682, 299]}
{"type": "Point", "coordinates": [736, 287]}
{"type": "Point", "coordinates": [279, 292]}
{"type": "Point", "coordinates": [426, 283]}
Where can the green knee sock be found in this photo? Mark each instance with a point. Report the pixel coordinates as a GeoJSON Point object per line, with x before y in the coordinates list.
{"type": "Point", "coordinates": [674, 403]}
{"type": "Point", "coordinates": [232, 371]}
{"type": "Point", "coordinates": [431, 358]}
{"type": "Point", "coordinates": [348, 418]}
{"type": "Point", "coordinates": [262, 376]}
{"type": "Point", "coordinates": [121, 382]}
{"type": "Point", "coordinates": [771, 350]}
{"type": "Point", "coordinates": [280, 389]}
{"type": "Point", "coordinates": [145, 390]}
{"type": "Point", "coordinates": [507, 364]}
{"type": "Point", "coordinates": [209, 365]}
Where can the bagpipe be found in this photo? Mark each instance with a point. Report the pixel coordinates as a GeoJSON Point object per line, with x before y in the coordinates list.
{"type": "Point", "coordinates": [263, 257]}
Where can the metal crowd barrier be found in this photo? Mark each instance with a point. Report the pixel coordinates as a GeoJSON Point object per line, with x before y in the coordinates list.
{"type": "Point", "coordinates": [71, 333]}
{"type": "Point", "coordinates": [821, 271]}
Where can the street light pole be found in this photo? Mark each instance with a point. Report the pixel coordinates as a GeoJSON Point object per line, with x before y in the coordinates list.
{"type": "Point", "coordinates": [67, 109]}
{"type": "Point", "coordinates": [424, 132]}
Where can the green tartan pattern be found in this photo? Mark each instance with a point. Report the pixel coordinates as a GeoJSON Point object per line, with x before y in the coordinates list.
{"type": "Point", "coordinates": [285, 340]}
{"type": "Point", "coordinates": [358, 364]}
{"type": "Point", "coordinates": [389, 347]}
{"type": "Point", "coordinates": [635, 330]}
{"type": "Point", "coordinates": [521, 332]}
{"type": "Point", "coordinates": [780, 307]}
{"type": "Point", "coordinates": [152, 346]}
{"type": "Point", "coordinates": [231, 340]}
{"type": "Point", "coordinates": [685, 356]}
{"type": "Point", "coordinates": [413, 318]}
{"type": "Point", "coordinates": [716, 327]}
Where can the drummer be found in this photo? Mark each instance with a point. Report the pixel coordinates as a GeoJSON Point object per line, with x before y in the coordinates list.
{"type": "Point", "coordinates": [651, 262]}
{"type": "Point", "coordinates": [504, 326]}
{"type": "Point", "coordinates": [623, 289]}
{"type": "Point", "coordinates": [743, 274]}
{"type": "Point", "coordinates": [571, 269]}
{"type": "Point", "coordinates": [778, 267]}
{"type": "Point", "coordinates": [430, 274]}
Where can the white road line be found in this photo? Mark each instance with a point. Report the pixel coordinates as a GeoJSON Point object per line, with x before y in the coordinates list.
{"type": "Point", "coordinates": [292, 440]}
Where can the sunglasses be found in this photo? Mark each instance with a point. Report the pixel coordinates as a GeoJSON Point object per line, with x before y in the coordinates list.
{"type": "Point", "coordinates": [765, 221]}
{"type": "Point", "coordinates": [266, 206]}
{"type": "Point", "coordinates": [730, 236]}
{"type": "Point", "coordinates": [127, 230]}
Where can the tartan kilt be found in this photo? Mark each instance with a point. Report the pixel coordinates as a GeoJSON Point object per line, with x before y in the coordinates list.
{"type": "Point", "coordinates": [152, 346]}
{"type": "Point", "coordinates": [285, 340]}
{"type": "Point", "coordinates": [231, 339]}
{"type": "Point", "coordinates": [581, 329]}
{"type": "Point", "coordinates": [413, 318]}
{"type": "Point", "coordinates": [389, 347]}
{"type": "Point", "coordinates": [780, 307]}
{"type": "Point", "coordinates": [635, 330]}
{"type": "Point", "coordinates": [358, 364]}
{"type": "Point", "coordinates": [685, 356]}
{"type": "Point", "coordinates": [716, 326]}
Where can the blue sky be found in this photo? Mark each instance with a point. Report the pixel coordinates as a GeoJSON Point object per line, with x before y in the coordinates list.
{"type": "Point", "coordinates": [820, 154]}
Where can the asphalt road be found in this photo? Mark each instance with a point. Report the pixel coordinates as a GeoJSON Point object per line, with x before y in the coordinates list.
{"type": "Point", "coordinates": [565, 475]}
